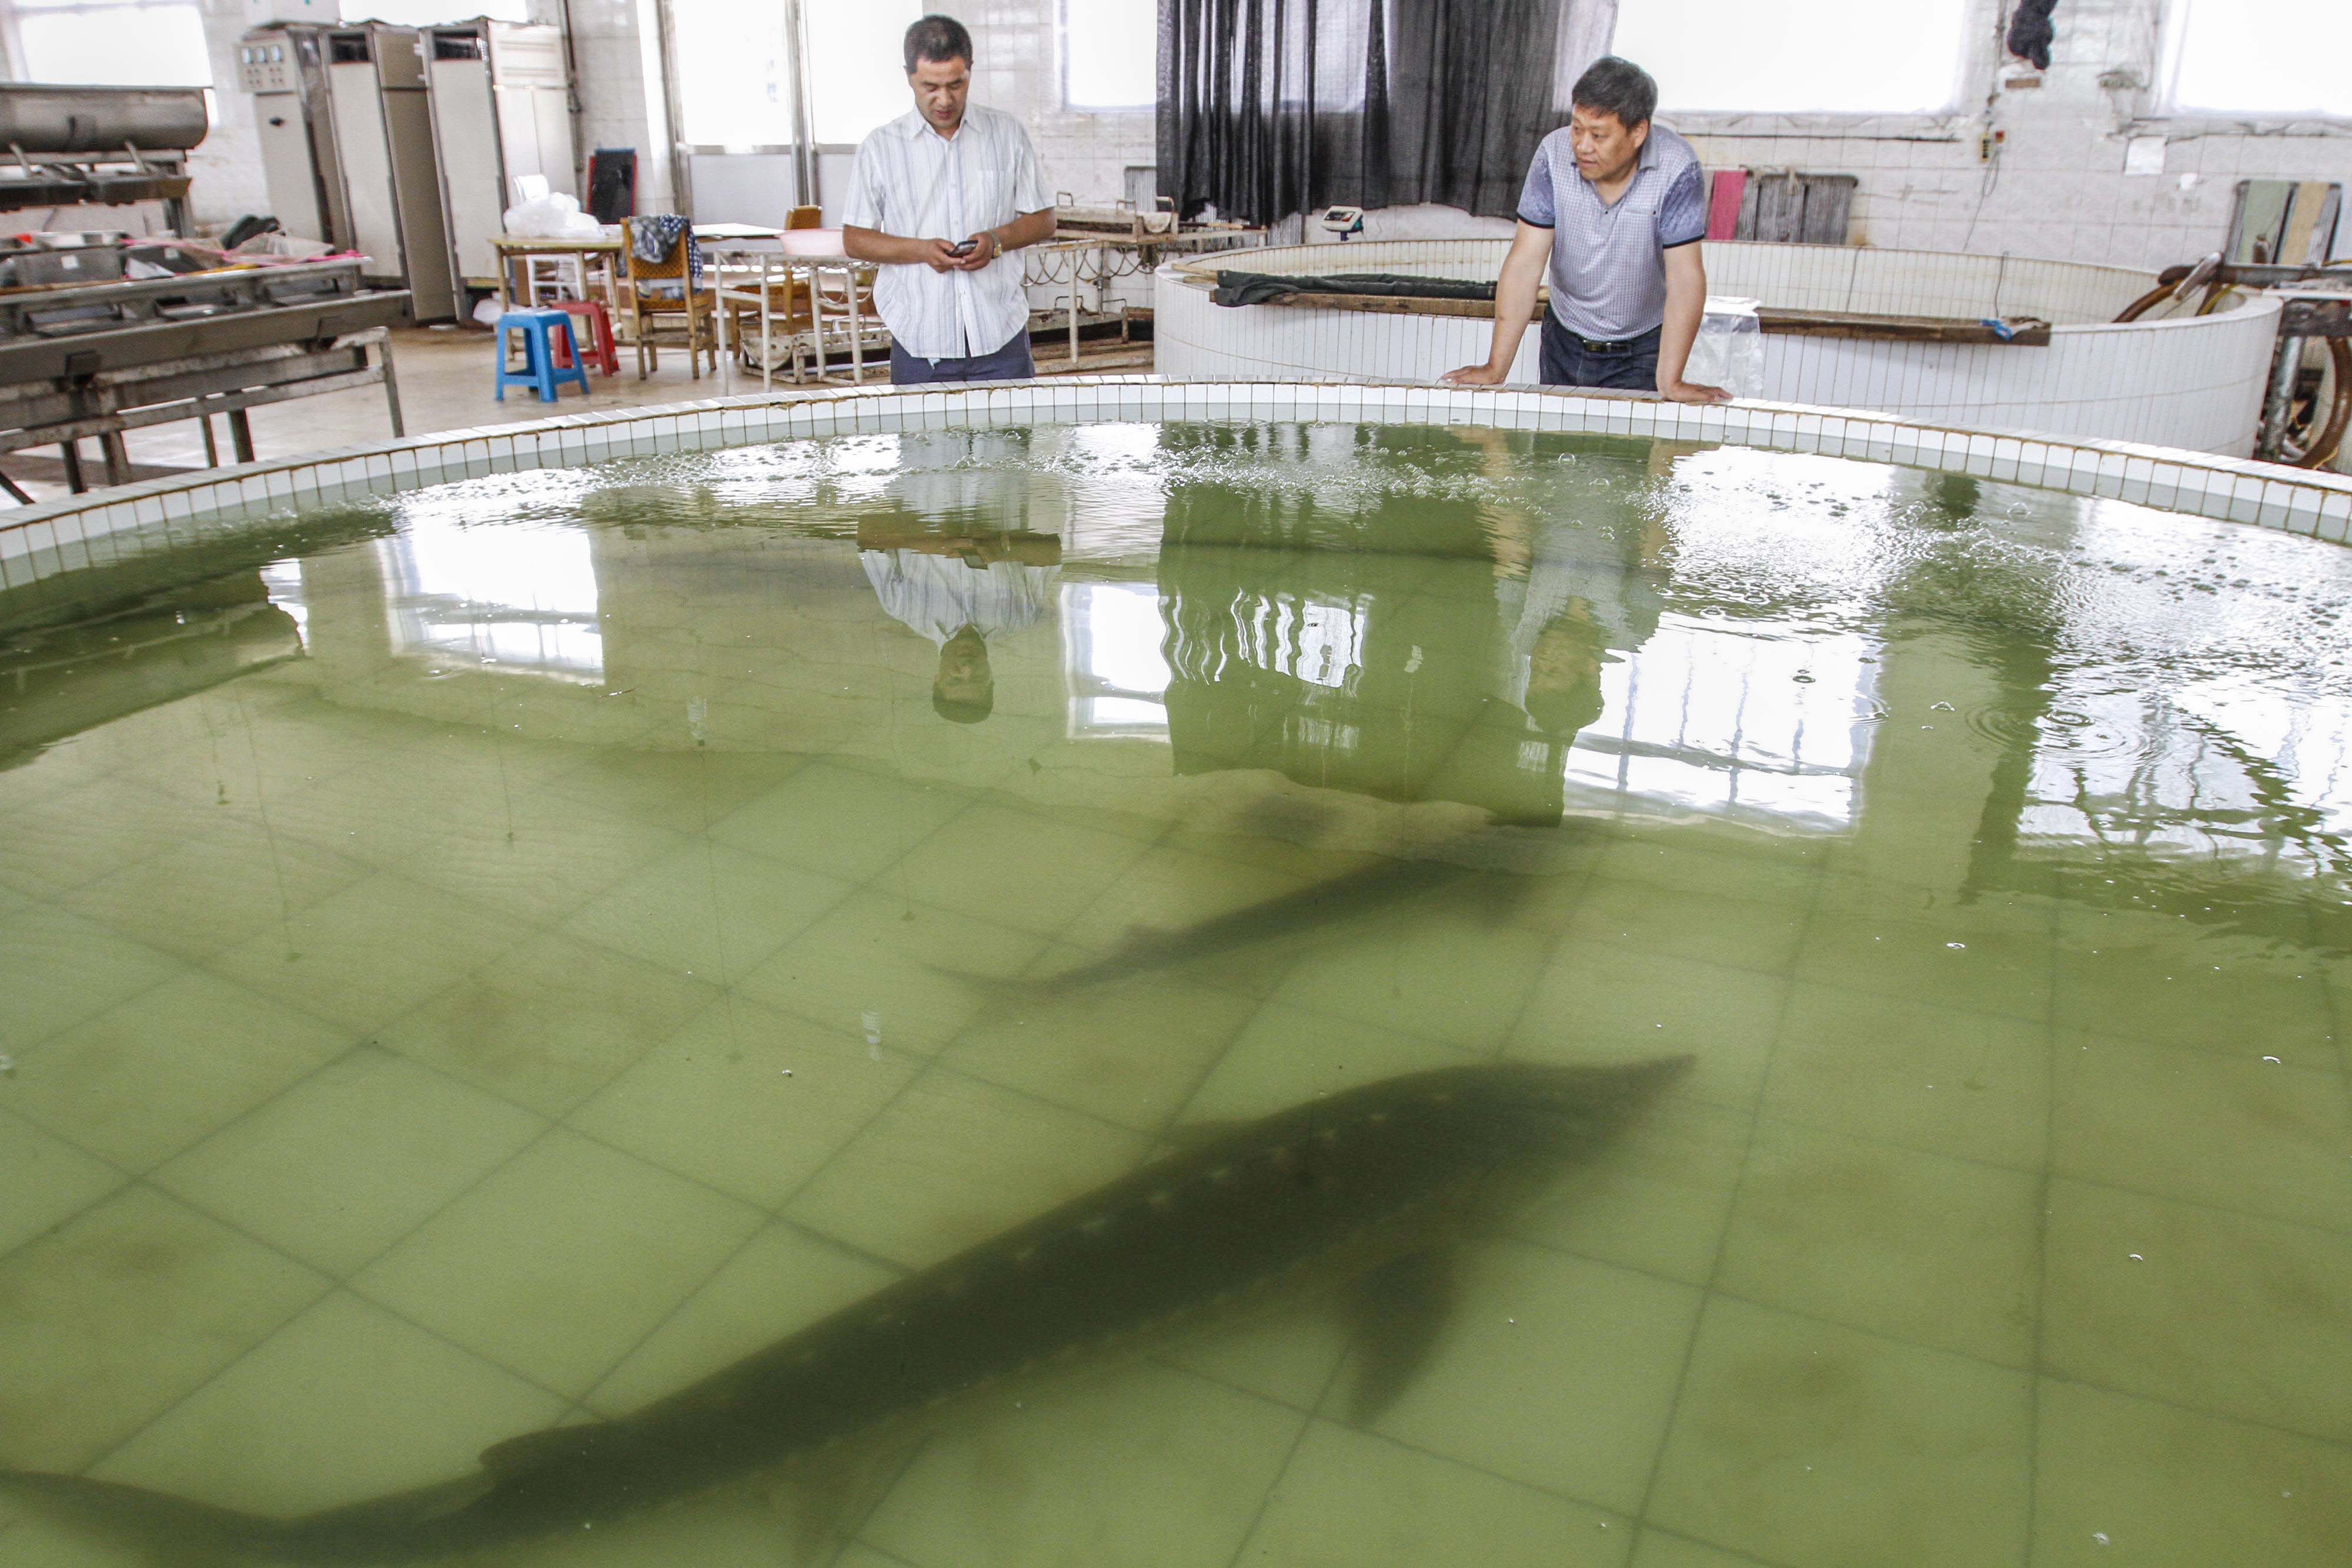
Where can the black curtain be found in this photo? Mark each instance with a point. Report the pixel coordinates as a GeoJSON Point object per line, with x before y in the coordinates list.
{"type": "Point", "coordinates": [1274, 107]}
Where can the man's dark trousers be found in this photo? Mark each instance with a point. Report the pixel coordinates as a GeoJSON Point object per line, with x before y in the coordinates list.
{"type": "Point", "coordinates": [1009, 363]}
{"type": "Point", "coordinates": [1630, 366]}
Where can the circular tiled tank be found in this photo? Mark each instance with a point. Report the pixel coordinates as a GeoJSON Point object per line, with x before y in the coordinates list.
{"type": "Point", "coordinates": [2192, 381]}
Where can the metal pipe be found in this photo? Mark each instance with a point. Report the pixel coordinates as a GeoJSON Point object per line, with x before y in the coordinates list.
{"type": "Point", "coordinates": [2284, 369]}
{"type": "Point", "coordinates": [804, 157]}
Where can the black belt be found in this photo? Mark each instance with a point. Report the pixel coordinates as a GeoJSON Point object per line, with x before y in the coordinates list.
{"type": "Point", "coordinates": [1623, 346]}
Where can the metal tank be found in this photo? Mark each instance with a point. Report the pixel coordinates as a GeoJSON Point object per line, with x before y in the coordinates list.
{"type": "Point", "coordinates": [40, 119]}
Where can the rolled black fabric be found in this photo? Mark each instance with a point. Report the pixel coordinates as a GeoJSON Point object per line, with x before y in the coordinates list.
{"type": "Point", "coordinates": [1235, 287]}
{"type": "Point", "coordinates": [2032, 32]}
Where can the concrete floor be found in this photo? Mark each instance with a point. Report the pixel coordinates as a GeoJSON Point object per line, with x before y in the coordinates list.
{"type": "Point", "coordinates": [445, 384]}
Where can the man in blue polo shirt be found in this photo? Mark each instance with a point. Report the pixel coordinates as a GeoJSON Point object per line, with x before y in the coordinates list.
{"type": "Point", "coordinates": [1616, 206]}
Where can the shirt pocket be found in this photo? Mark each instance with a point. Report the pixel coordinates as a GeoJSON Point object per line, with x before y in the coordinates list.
{"type": "Point", "coordinates": [987, 192]}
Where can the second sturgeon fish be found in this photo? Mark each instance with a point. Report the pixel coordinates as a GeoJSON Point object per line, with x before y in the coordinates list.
{"type": "Point", "coordinates": [1367, 1190]}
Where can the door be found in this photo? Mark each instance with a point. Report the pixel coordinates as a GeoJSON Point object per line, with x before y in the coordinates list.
{"type": "Point", "coordinates": [367, 156]}
{"type": "Point", "coordinates": [466, 143]}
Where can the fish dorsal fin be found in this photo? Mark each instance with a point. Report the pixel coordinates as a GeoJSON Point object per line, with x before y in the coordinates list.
{"type": "Point", "coordinates": [556, 1445]}
{"type": "Point", "coordinates": [1399, 1310]}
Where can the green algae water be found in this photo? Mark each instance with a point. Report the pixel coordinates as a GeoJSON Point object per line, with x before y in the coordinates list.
{"type": "Point", "coordinates": [487, 959]}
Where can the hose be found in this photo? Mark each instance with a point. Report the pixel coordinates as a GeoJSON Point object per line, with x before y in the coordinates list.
{"type": "Point", "coordinates": [2339, 412]}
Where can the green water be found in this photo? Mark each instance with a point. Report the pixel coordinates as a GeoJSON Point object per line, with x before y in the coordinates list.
{"type": "Point", "coordinates": [490, 957]}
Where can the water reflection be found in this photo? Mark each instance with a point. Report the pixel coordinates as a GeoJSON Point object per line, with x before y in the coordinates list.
{"type": "Point", "coordinates": [954, 560]}
{"type": "Point", "coordinates": [520, 597]}
{"type": "Point", "coordinates": [1111, 634]}
{"type": "Point", "coordinates": [1392, 649]}
{"type": "Point", "coordinates": [57, 683]}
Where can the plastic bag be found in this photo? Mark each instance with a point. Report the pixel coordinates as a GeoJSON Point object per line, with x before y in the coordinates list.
{"type": "Point", "coordinates": [1729, 349]}
{"type": "Point", "coordinates": [553, 216]}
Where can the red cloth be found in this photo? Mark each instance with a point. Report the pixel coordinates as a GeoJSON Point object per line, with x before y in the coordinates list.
{"type": "Point", "coordinates": [1723, 202]}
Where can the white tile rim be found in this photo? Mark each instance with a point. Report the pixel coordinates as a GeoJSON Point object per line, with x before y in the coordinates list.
{"type": "Point", "coordinates": [2309, 501]}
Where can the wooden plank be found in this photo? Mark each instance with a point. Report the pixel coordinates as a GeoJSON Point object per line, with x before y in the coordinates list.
{"type": "Point", "coordinates": [2026, 332]}
{"type": "Point", "coordinates": [1388, 304]}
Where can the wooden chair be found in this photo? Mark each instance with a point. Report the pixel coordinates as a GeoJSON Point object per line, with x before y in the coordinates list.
{"type": "Point", "coordinates": [646, 309]}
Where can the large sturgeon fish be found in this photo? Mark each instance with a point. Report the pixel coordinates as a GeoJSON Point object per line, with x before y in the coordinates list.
{"type": "Point", "coordinates": [1367, 1190]}
{"type": "Point", "coordinates": [1320, 908]}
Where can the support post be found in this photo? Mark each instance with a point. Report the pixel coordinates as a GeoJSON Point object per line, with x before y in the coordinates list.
{"type": "Point", "coordinates": [392, 386]}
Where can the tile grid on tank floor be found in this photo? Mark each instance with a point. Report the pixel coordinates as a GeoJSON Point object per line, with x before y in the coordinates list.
{"type": "Point", "coordinates": [935, 1063]}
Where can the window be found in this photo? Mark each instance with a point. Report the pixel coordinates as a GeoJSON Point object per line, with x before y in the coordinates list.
{"type": "Point", "coordinates": [128, 45]}
{"type": "Point", "coordinates": [2255, 57]}
{"type": "Point", "coordinates": [734, 76]}
{"type": "Point", "coordinates": [1798, 57]}
{"type": "Point", "coordinates": [857, 68]}
{"type": "Point", "coordinates": [1110, 53]}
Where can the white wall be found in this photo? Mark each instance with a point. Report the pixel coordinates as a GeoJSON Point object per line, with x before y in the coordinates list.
{"type": "Point", "coordinates": [225, 171]}
{"type": "Point", "coordinates": [2056, 187]}
{"type": "Point", "coordinates": [1020, 71]}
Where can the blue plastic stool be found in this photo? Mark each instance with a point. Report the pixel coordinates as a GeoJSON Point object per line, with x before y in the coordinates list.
{"type": "Point", "coordinates": [540, 371]}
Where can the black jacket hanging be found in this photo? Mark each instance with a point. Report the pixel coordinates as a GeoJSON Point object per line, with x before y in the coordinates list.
{"type": "Point", "coordinates": [2032, 32]}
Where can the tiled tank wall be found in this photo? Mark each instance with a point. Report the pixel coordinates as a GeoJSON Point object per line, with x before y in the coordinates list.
{"type": "Point", "coordinates": [2195, 382]}
{"type": "Point", "coordinates": [130, 521]}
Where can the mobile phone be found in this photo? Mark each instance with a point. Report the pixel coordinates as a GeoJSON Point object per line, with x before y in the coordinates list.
{"type": "Point", "coordinates": [963, 247]}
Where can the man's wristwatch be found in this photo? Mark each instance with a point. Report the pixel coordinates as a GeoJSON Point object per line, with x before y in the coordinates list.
{"type": "Point", "coordinates": [995, 246]}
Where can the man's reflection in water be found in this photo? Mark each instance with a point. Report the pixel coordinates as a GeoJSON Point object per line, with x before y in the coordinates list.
{"type": "Point", "coordinates": [1577, 592]}
{"type": "Point", "coordinates": [955, 560]}
{"type": "Point", "coordinates": [1418, 646]}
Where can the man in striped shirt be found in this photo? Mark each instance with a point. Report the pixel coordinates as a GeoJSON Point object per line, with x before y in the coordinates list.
{"type": "Point", "coordinates": [939, 198]}
{"type": "Point", "coordinates": [1614, 207]}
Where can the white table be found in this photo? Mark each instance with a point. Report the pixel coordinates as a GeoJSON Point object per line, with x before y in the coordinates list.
{"type": "Point", "coordinates": [765, 259]}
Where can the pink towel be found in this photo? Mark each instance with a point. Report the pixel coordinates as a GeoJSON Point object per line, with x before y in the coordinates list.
{"type": "Point", "coordinates": [1723, 202]}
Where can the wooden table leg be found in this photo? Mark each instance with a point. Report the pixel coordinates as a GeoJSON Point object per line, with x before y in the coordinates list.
{"type": "Point", "coordinates": [74, 480]}
{"type": "Point", "coordinates": [118, 461]}
{"type": "Point", "coordinates": [240, 434]}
